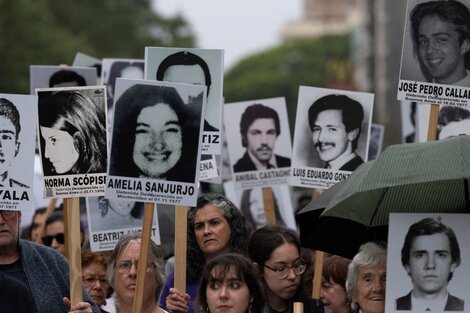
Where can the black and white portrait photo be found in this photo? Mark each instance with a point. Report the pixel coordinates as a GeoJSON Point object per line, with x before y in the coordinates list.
{"type": "Point", "coordinates": [72, 135]}
{"type": "Point", "coordinates": [259, 140]}
{"type": "Point", "coordinates": [115, 68]}
{"type": "Point", "coordinates": [375, 141]}
{"type": "Point", "coordinates": [155, 134]}
{"type": "Point", "coordinates": [452, 121]}
{"type": "Point", "coordinates": [436, 50]}
{"type": "Point", "coordinates": [18, 114]}
{"type": "Point", "coordinates": [114, 216]}
{"type": "Point", "coordinates": [251, 203]}
{"type": "Point", "coordinates": [42, 76]}
{"type": "Point", "coordinates": [193, 66]}
{"type": "Point", "coordinates": [331, 131]}
{"type": "Point", "coordinates": [433, 272]}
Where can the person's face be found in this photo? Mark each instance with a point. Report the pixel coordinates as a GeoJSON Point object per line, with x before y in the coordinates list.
{"type": "Point", "coordinates": [430, 264]}
{"type": "Point", "coordinates": [188, 74]}
{"type": "Point", "coordinates": [158, 140]}
{"type": "Point", "coordinates": [440, 51]}
{"type": "Point", "coordinates": [334, 296]}
{"type": "Point", "coordinates": [59, 149]}
{"type": "Point", "coordinates": [257, 207]}
{"type": "Point", "coordinates": [329, 135]}
{"type": "Point", "coordinates": [9, 230]}
{"type": "Point", "coordinates": [125, 283]}
{"type": "Point", "coordinates": [132, 71]}
{"type": "Point", "coordinates": [281, 289]}
{"type": "Point", "coordinates": [260, 139]}
{"type": "Point", "coordinates": [228, 294]}
{"type": "Point", "coordinates": [370, 292]}
{"type": "Point", "coordinates": [95, 280]}
{"type": "Point", "coordinates": [8, 145]}
{"type": "Point", "coordinates": [53, 229]}
{"type": "Point", "coordinates": [36, 225]}
{"type": "Point", "coordinates": [212, 231]}
{"type": "Point", "coordinates": [121, 206]}
{"type": "Point", "coordinates": [453, 129]}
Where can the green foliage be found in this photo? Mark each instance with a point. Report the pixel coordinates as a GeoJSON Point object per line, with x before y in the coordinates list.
{"type": "Point", "coordinates": [280, 71]}
{"type": "Point", "coordinates": [48, 32]}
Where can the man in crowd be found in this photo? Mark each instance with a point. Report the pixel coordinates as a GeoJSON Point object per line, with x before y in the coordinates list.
{"type": "Point", "coordinates": [430, 255]}
{"type": "Point", "coordinates": [43, 270]}
{"type": "Point", "coordinates": [259, 129]}
{"type": "Point", "coordinates": [335, 122]}
{"type": "Point", "coordinates": [441, 37]}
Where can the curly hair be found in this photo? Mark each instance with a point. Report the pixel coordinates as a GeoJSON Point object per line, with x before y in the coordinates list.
{"type": "Point", "coordinates": [239, 232]}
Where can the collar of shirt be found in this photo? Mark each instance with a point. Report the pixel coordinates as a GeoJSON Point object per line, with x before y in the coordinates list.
{"type": "Point", "coordinates": [341, 160]}
{"type": "Point", "coordinates": [433, 305]}
{"type": "Point", "coordinates": [259, 165]}
{"type": "Point", "coordinates": [464, 82]}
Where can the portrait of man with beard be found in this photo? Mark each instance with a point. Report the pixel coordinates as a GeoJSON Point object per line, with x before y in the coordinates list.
{"type": "Point", "coordinates": [259, 129]}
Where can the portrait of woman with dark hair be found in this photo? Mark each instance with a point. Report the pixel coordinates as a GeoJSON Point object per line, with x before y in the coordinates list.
{"type": "Point", "coordinates": [108, 214]}
{"type": "Point", "coordinates": [155, 135]}
{"type": "Point", "coordinates": [252, 206]}
{"type": "Point", "coordinates": [72, 129]}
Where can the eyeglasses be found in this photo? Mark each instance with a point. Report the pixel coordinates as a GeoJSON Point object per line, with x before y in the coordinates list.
{"type": "Point", "coordinates": [298, 268]}
{"type": "Point", "coordinates": [126, 265]}
{"type": "Point", "coordinates": [47, 240]}
{"type": "Point", "coordinates": [90, 280]}
{"type": "Point", "coordinates": [7, 214]}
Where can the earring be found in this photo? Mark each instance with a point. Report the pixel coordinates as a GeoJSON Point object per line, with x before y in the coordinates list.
{"type": "Point", "coordinates": [249, 308]}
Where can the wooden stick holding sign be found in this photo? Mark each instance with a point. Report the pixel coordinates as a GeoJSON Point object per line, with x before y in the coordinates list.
{"type": "Point", "coordinates": [149, 209]}
{"type": "Point", "coordinates": [433, 118]}
{"type": "Point", "coordinates": [73, 247]}
{"type": "Point", "coordinates": [319, 257]}
{"type": "Point", "coordinates": [269, 209]}
{"type": "Point", "coordinates": [181, 222]}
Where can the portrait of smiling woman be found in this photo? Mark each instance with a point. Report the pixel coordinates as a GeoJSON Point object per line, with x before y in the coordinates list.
{"type": "Point", "coordinates": [72, 128]}
{"type": "Point", "coordinates": [155, 135]}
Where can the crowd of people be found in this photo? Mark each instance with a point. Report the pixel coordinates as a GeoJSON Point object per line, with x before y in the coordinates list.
{"type": "Point", "coordinates": [231, 267]}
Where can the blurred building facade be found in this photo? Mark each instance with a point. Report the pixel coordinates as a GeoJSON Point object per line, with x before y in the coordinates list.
{"type": "Point", "coordinates": [376, 31]}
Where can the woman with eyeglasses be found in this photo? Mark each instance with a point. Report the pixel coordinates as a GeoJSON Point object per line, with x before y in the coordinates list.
{"type": "Point", "coordinates": [122, 274]}
{"type": "Point", "coordinates": [95, 278]}
{"type": "Point", "coordinates": [275, 250]}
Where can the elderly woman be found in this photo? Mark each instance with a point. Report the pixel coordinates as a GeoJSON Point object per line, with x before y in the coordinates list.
{"type": "Point", "coordinates": [366, 279]}
{"type": "Point", "coordinates": [122, 273]}
{"type": "Point", "coordinates": [95, 278]}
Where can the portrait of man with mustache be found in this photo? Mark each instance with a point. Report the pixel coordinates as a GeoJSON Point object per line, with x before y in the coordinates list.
{"type": "Point", "coordinates": [259, 129]}
{"type": "Point", "coordinates": [335, 122]}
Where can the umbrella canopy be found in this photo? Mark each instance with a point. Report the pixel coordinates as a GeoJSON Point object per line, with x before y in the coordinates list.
{"type": "Point", "coordinates": [429, 177]}
{"type": "Point", "coordinates": [332, 234]}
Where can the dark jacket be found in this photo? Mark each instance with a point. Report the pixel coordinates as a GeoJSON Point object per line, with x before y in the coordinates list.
{"type": "Point", "coordinates": [244, 164]}
{"type": "Point", "coordinates": [453, 303]}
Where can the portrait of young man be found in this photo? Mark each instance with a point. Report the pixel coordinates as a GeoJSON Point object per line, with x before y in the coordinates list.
{"type": "Point", "coordinates": [259, 130]}
{"type": "Point", "coordinates": [440, 33]}
{"type": "Point", "coordinates": [193, 66]}
{"type": "Point", "coordinates": [10, 128]}
{"type": "Point", "coordinates": [335, 122]}
{"type": "Point", "coordinates": [430, 255]}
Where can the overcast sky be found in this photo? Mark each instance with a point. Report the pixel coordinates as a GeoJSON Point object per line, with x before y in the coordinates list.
{"type": "Point", "coordinates": [239, 27]}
